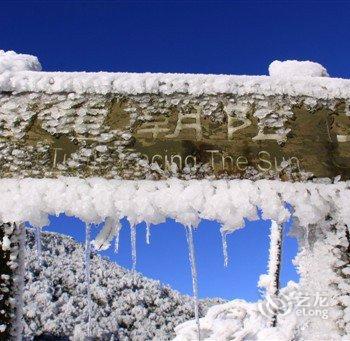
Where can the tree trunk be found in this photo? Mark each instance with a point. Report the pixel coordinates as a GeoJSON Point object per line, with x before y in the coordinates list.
{"type": "Point", "coordinates": [12, 239]}
{"type": "Point", "coordinates": [274, 266]}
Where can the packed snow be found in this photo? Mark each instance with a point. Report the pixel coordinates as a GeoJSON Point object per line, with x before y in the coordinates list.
{"type": "Point", "coordinates": [11, 61]}
{"type": "Point", "coordinates": [194, 84]}
{"type": "Point", "coordinates": [229, 202]}
{"type": "Point", "coordinates": [295, 68]}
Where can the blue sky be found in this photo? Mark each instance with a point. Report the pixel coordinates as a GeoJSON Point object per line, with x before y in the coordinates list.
{"type": "Point", "coordinates": [232, 37]}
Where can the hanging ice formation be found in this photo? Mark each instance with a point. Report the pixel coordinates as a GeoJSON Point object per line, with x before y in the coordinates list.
{"type": "Point", "coordinates": [38, 244]}
{"type": "Point", "coordinates": [133, 245]}
{"type": "Point", "coordinates": [116, 241]}
{"type": "Point", "coordinates": [224, 246]}
{"type": "Point", "coordinates": [88, 274]}
{"type": "Point", "coordinates": [148, 232]}
{"type": "Point", "coordinates": [192, 258]}
{"type": "Point", "coordinates": [110, 229]}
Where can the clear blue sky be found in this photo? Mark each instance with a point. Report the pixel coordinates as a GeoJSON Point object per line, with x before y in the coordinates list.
{"type": "Point", "coordinates": [183, 36]}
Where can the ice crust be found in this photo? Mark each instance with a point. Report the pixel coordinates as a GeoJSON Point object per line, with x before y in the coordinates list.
{"type": "Point", "coordinates": [19, 73]}
{"type": "Point", "coordinates": [226, 201]}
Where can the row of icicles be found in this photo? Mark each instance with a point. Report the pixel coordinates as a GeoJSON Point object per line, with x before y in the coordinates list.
{"type": "Point", "coordinates": [191, 253]}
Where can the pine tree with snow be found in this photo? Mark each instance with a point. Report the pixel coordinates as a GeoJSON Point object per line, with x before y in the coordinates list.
{"type": "Point", "coordinates": [123, 303]}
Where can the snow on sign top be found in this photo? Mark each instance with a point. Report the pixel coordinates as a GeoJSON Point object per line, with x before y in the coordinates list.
{"type": "Point", "coordinates": [19, 73]}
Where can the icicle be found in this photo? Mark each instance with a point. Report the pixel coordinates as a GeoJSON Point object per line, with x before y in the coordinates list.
{"type": "Point", "coordinates": [148, 233]}
{"type": "Point", "coordinates": [116, 242]}
{"type": "Point", "coordinates": [133, 246]}
{"type": "Point", "coordinates": [87, 274]}
{"type": "Point", "coordinates": [224, 247]}
{"type": "Point", "coordinates": [192, 257]}
{"type": "Point", "coordinates": [38, 244]}
{"type": "Point", "coordinates": [109, 230]}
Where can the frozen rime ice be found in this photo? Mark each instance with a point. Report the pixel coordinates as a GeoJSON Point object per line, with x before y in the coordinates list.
{"type": "Point", "coordinates": [107, 233]}
{"type": "Point", "coordinates": [11, 61]}
{"type": "Point", "coordinates": [148, 233]}
{"type": "Point", "coordinates": [269, 281]}
{"type": "Point", "coordinates": [187, 202]}
{"type": "Point", "coordinates": [224, 246]}
{"type": "Point", "coordinates": [133, 246]}
{"type": "Point", "coordinates": [295, 68]}
{"type": "Point", "coordinates": [17, 80]}
{"type": "Point", "coordinates": [192, 258]}
{"type": "Point", "coordinates": [116, 241]}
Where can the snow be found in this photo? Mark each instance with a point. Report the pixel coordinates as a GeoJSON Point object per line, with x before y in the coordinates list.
{"type": "Point", "coordinates": [296, 81]}
{"type": "Point", "coordinates": [235, 320]}
{"type": "Point", "coordinates": [6, 243]}
{"type": "Point", "coordinates": [11, 61]}
{"type": "Point", "coordinates": [227, 201]}
{"type": "Point", "coordinates": [295, 68]}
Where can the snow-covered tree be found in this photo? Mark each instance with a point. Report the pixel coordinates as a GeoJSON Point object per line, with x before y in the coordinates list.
{"type": "Point", "coordinates": [124, 303]}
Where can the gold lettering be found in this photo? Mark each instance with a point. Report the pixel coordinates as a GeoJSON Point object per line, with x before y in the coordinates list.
{"type": "Point", "coordinates": [224, 158]}
{"type": "Point", "coordinates": [343, 138]}
{"type": "Point", "coordinates": [155, 128]}
{"type": "Point", "coordinates": [263, 152]}
{"type": "Point", "coordinates": [212, 156]}
{"type": "Point", "coordinates": [241, 160]}
{"type": "Point", "coordinates": [191, 157]}
{"type": "Point", "coordinates": [180, 125]}
{"type": "Point", "coordinates": [231, 129]}
{"type": "Point", "coordinates": [179, 158]}
{"type": "Point", "coordinates": [296, 161]}
{"type": "Point", "coordinates": [261, 136]}
{"type": "Point", "coordinates": [144, 156]}
{"type": "Point", "coordinates": [283, 162]}
{"type": "Point", "coordinates": [157, 156]}
{"type": "Point", "coordinates": [56, 155]}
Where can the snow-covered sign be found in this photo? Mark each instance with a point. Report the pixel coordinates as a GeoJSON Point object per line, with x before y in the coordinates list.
{"type": "Point", "coordinates": [293, 125]}
{"type": "Point", "coordinates": [144, 126]}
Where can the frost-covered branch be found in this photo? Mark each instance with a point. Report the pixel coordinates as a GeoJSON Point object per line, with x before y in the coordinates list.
{"type": "Point", "coordinates": [271, 281]}
{"type": "Point", "coordinates": [11, 283]}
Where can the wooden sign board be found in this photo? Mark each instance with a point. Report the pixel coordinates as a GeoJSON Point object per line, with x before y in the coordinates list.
{"type": "Point", "coordinates": [138, 138]}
